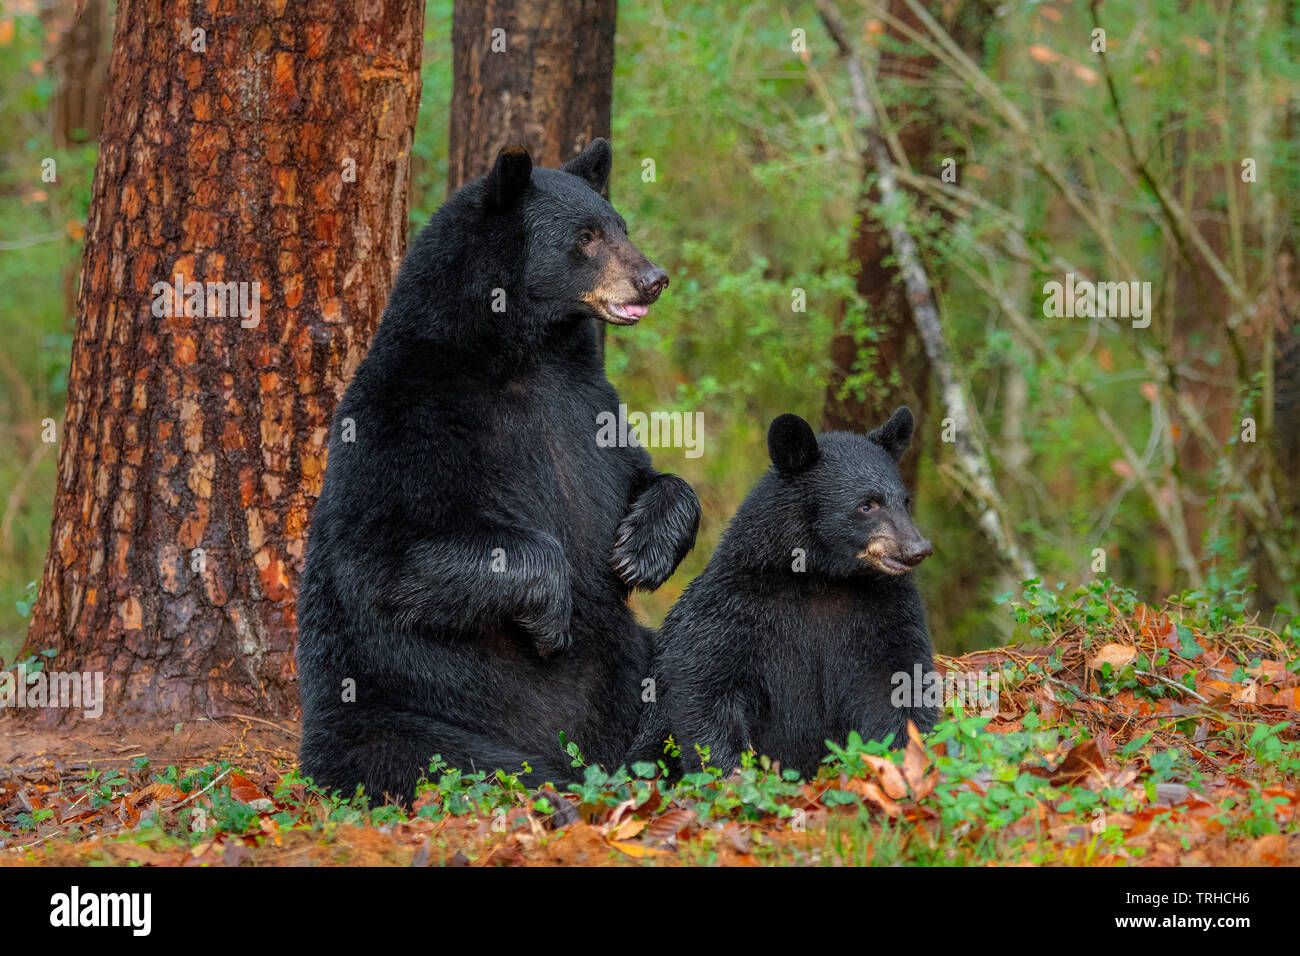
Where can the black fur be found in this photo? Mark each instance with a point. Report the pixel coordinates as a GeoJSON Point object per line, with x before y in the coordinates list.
{"type": "Point", "coordinates": [758, 655]}
{"type": "Point", "coordinates": [472, 551]}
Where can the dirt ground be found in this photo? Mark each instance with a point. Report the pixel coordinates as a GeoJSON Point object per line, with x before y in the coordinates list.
{"type": "Point", "coordinates": [33, 749]}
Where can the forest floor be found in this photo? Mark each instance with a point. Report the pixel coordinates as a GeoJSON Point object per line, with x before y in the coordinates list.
{"type": "Point", "coordinates": [1121, 735]}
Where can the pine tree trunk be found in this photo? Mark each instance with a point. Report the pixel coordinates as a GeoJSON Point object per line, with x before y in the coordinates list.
{"type": "Point", "coordinates": [545, 82]}
{"type": "Point", "coordinates": [193, 446]}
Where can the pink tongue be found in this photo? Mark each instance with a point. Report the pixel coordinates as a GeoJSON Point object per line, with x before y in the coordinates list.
{"type": "Point", "coordinates": [638, 311]}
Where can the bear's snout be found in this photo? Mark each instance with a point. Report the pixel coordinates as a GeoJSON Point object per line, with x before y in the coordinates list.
{"type": "Point", "coordinates": [650, 283]}
{"type": "Point", "coordinates": [915, 552]}
{"type": "Point", "coordinates": [896, 554]}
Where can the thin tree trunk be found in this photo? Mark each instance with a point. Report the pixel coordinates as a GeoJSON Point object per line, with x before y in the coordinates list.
{"type": "Point", "coordinates": [77, 52]}
{"type": "Point", "coordinates": [535, 72]}
{"type": "Point", "coordinates": [269, 149]}
{"type": "Point", "coordinates": [901, 372]}
{"type": "Point", "coordinates": [78, 62]}
{"type": "Point", "coordinates": [897, 360]}
{"type": "Point", "coordinates": [969, 448]}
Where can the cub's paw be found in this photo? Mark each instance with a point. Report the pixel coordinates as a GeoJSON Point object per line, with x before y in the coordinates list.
{"type": "Point", "coordinates": [656, 533]}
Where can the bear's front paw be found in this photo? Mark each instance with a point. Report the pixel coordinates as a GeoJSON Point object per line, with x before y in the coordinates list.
{"type": "Point", "coordinates": [546, 604]}
{"type": "Point", "coordinates": [549, 636]}
{"type": "Point", "coordinates": [546, 620]}
{"type": "Point", "coordinates": [657, 532]}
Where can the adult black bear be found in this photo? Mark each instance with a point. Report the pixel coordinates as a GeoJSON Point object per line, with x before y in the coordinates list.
{"type": "Point", "coordinates": [471, 554]}
{"type": "Point", "coordinates": [792, 634]}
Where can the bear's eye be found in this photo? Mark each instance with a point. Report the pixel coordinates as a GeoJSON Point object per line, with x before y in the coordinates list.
{"type": "Point", "coordinates": [586, 237]}
{"type": "Point", "coordinates": [869, 507]}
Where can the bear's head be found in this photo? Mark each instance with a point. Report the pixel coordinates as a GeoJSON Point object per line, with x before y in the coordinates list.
{"type": "Point", "coordinates": [577, 257]}
{"type": "Point", "coordinates": [850, 493]}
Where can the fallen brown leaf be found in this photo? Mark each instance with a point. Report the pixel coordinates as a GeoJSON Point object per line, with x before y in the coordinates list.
{"type": "Point", "coordinates": [1116, 655]}
{"type": "Point", "coordinates": [891, 778]}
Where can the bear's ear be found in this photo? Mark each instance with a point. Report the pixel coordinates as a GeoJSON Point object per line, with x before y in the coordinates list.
{"type": "Point", "coordinates": [791, 444]}
{"type": "Point", "coordinates": [508, 178]}
{"type": "Point", "coordinates": [592, 164]}
{"type": "Point", "coordinates": [896, 434]}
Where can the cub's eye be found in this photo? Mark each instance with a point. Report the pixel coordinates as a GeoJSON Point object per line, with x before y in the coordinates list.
{"type": "Point", "coordinates": [869, 507]}
{"type": "Point", "coordinates": [586, 238]}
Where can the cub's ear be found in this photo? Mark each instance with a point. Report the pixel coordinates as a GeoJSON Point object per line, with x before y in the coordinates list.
{"type": "Point", "coordinates": [791, 444]}
{"type": "Point", "coordinates": [508, 178]}
{"type": "Point", "coordinates": [896, 434]}
{"type": "Point", "coordinates": [592, 164]}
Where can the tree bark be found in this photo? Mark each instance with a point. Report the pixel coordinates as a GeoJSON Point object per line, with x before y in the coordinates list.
{"type": "Point", "coordinates": [546, 82]}
{"type": "Point", "coordinates": [193, 445]}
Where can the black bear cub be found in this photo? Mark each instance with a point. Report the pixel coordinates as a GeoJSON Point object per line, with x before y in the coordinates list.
{"type": "Point", "coordinates": [795, 631]}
